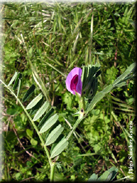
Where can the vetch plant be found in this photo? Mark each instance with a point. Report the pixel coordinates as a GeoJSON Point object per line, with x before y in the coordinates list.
{"type": "Point", "coordinates": [82, 83]}
{"type": "Point", "coordinates": [59, 36]}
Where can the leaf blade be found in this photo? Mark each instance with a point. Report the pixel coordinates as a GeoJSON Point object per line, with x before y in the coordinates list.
{"type": "Point", "coordinates": [28, 93]}
{"type": "Point", "coordinates": [50, 122]}
{"type": "Point", "coordinates": [130, 69]}
{"type": "Point", "coordinates": [41, 111]}
{"type": "Point", "coordinates": [113, 171]}
{"type": "Point", "coordinates": [54, 135]}
{"type": "Point", "coordinates": [93, 177]}
{"type": "Point", "coordinates": [104, 176]}
{"type": "Point", "coordinates": [19, 86]}
{"type": "Point", "coordinates": [34, 101]}
{"type": "Point", "coordinates": [13, 78]}
{"type": "Point", "coordinates": [59, 148]}
{"type": "Point", "coordinates": [16, 83]}
{"type": "Point", "coordinates": [46, 117]}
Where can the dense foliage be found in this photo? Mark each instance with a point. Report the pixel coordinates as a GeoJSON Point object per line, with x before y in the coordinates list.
{"type": "Point", "coordinates": [47, 41]}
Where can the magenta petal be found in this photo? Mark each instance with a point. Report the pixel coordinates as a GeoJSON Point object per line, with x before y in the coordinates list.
{"type": "Point", "coordinates": [73, 81]}
{"type": "Point", "coordinates": [79, 84]}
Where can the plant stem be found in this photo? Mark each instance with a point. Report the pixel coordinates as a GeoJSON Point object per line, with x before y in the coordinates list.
{"type": "Point", "coordinates": [52, 171]}
{"type": "Point", "coordinates": [75, 125]}
{"type": "Point", "coordinates": [35, 127]}
{"type": "Point", "coordinates": [81, 102]}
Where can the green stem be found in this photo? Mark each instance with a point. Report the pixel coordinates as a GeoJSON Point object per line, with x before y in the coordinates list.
{"type": "Point", "coordinates": [35, 127]}
{"type": "Point", "coordinates": [52, 171]}
{"type": "Point", "coordinates": [75, 125]}
{"type": "Point", "coordinates": [81, 102]}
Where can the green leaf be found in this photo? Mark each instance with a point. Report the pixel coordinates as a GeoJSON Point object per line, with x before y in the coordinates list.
{"type": "Point", "coordinates": [107, 89]}
{"type": "Point", "coordinates": [41, 111]}
{"type": "Point", "coordinates": [12, 110]}
{"type": "Point", "coordinates": [54, 135]}
{"type": "Point", "coordinates": [28, 93]}
{"type": "Point", "coordinates": [33, 142]}
{"type": "Point", "coordinates": [19, 86]}
{"type": "Point", "coordinates": [46, 117]}
{"type": "Point", "coordinates": [18, 176]}
{"type": "Point", "coordinates": [30, 51]}
{"type": "Point", "coordinates": [96, 98]}
{"type": "Point", "coordinates": [13, 78]}
{"type": "Point", "coordinates": [125, 74]}
{"type": "Point", "coordinates": [93, 177]}
{"type": "Point", "coordinates": [104, 176]}
{"type": "Point", "coordinates": [34, 109]}
{"type": "Point", "coordinates": [34, 101]}
{"type": "Point", "coordinates": [29, 133]}
{"type": "Point", "coordinates": [17, 81]}
{"type": "Point", "coordinates": [89, 80]}
{"type": "Point", "coordinates": [51, 121]}
{"type": "Point", "coordinates": [59, 177]}
{"type": "Point", "coordinates": [59, 148]}
{"type": "Point", "coordinates": [109, 175]}
{"type": "Point", "coordinates": [113, 171]}
{"type": "Point", "coordinates": [83, 76]}
{"type": "Point", "coordinates": [121, 84]}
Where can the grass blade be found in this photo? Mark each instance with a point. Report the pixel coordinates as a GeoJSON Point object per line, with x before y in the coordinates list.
{"type": "Point", "coordinates": [55, 68]}
{"type": "Point", "coordinates": [13, 78]}
{"type": "Point", "coordinates": [39, 81]}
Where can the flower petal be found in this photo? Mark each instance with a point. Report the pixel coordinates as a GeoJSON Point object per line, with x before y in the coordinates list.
{"type": "Point", "coordinates": [79, 84]}
{"type": "Point", "coordinates": [70, 77]}
{"type": "Point", "coordinates": [74, 82]}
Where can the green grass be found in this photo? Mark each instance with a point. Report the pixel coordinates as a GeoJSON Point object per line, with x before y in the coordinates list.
{"type": "Point", "coordinates": [47, 41]}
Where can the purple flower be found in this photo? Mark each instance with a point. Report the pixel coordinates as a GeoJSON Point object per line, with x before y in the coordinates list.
{"type": "Point", "coordinates": [73, 81]}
